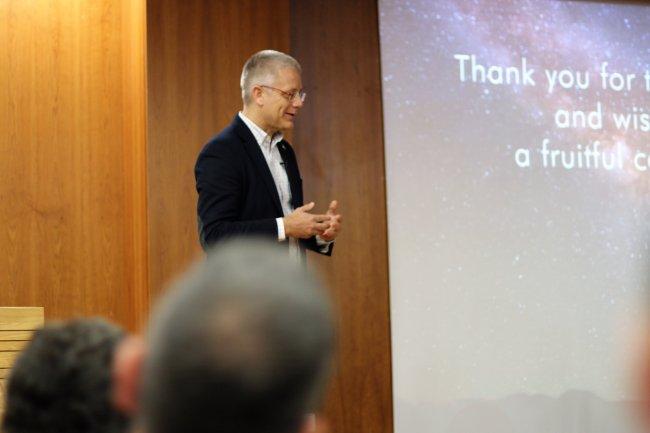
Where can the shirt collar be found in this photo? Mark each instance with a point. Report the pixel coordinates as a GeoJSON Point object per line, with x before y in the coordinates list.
{"type": "Point", "coordinates": [260, 135]}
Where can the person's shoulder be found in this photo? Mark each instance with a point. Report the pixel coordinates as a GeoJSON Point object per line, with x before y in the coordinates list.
{"type": "Point", "coordinates": [227, 140]}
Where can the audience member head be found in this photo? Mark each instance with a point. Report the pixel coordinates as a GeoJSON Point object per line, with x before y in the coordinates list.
{"type": "Point", "coordinates": [61, 381]}
{"type": "Point", "coordinates": [241, 344]}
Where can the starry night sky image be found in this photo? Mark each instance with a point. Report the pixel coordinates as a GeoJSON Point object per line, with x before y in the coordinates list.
{"type": "Point", "coordinates": [512, 281]}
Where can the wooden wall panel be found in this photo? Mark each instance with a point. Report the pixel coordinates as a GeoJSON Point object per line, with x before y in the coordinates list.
{"type": "Point", "coordinates": [71, 190]}
{"type": "Point", "coordinates": [196, 50]}
{"type": "Point", "coordinates": [339, 142]}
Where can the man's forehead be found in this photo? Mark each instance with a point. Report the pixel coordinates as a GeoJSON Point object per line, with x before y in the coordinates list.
{"type": "Point", "coordinates": [289, 76]}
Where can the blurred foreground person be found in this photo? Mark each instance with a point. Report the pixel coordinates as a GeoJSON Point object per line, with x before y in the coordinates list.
{"type": "Point", "coordinates": [242, 344]}
{"type": "Point", "coordinates": [61, 381]}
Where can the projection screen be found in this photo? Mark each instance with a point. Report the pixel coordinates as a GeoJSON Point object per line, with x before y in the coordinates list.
{"type": "Point", "coordinates": [517, 139]}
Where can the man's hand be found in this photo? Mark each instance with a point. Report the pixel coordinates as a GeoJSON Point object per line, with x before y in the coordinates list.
{"type": "Point", "coordinates": [334, 223]}
{"type": "Point", "coordinates": [301, 224]}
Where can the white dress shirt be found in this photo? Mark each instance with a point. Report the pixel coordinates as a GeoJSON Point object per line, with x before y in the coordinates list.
{"type": "Point", "coordinates": [269, 147]}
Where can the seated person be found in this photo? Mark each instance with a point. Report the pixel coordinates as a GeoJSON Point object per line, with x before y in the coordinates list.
{"type": "Point", "coordinates": [61, 381]}
{"type": "Point", "coordinates": [243, 344]}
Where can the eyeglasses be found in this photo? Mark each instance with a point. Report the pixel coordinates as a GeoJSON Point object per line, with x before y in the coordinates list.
{"type": "Point", "coordinates": [290, 96]}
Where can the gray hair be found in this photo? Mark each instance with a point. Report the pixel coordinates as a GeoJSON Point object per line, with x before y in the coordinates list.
{"type": "Point", "coordinates": [261, 68]}
{"type": "Point", "coordinates": [242, 344]}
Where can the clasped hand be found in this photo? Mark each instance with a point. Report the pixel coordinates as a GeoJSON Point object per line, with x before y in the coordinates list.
{"type": "Point", "coordinates": [302, 224]}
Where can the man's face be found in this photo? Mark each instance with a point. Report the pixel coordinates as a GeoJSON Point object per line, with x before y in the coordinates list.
{"type": "Point", "coordinates": [277, 110]}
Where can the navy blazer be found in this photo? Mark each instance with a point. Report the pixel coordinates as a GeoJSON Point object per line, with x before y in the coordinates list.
{"type": "Point", "coordinates": [237, 193]}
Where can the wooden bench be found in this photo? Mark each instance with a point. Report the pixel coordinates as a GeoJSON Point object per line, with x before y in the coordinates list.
{"type": "Point", "coordinates": [16, 327]}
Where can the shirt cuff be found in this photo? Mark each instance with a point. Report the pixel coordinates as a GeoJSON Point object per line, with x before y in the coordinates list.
{"type": "Point", "coordinates": [281, 235]}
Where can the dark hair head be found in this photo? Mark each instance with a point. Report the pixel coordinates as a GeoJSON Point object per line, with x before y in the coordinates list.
{"type": "Point", "coordinates": [62, 379]}
{"type": "Point", "coordinates": [242, 344]}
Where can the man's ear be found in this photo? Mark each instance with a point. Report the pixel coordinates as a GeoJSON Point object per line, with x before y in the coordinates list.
{"type": "Point", "coordinates": [127, 374]}
{"type": "Point", "coordinates": [257, 94]}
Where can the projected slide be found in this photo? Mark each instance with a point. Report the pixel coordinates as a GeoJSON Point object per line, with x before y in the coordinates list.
{"type": "Point", "coordinates": [517, 155]}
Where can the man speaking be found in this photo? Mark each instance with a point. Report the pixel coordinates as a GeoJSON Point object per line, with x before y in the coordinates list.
{"type": "Point", "coordinates": [247, 177]}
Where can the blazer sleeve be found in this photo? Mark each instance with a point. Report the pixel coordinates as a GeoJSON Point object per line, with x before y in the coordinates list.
{"type": "Point", "coordinates": [219, 183]}
{"type": "Point", "coordinates": [311, 244]}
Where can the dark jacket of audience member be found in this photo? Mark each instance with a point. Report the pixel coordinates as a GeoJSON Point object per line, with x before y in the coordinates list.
{"type": "Point", "coordinates": [61, 381]}
{"type": "Point", "coordinates": [242, 345]}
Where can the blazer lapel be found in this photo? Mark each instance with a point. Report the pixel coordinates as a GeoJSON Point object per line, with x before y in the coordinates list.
{"type": "Point", "coordinates": [256, 155]}
{"type": "Point", "coordinates": [292, 174]}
